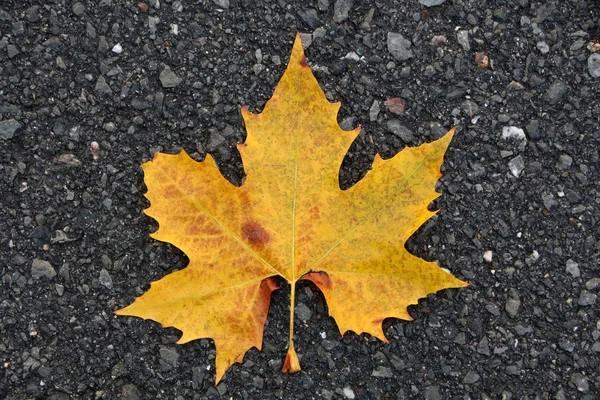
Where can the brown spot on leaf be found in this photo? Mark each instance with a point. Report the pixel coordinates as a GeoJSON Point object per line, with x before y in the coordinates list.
{"type": "Point", "coordinates": [255, 234]}
{"type": "Point", "coordinates": [303, 61]}
{"type": "Point", "coordinates": [171, 191]}
{"type": "Point", "coordinates": [321, 279]}
{"type": "Point", "coordinates": [314, 212]}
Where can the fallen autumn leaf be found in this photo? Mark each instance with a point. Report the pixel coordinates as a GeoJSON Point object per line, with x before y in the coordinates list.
{"type": "Point", "coordinates": [290, 219]}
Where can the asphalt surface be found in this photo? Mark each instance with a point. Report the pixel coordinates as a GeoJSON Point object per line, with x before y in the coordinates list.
{"type": "Point", "coordinates": [91, 89]}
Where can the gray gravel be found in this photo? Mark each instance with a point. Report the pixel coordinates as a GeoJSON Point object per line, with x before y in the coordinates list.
{"type": "Point", "coordinates": [91, 89]}
{"type": "Point", "coordinates": [8, 128]}
{"type": "Point", "coordinates": [398, 46]}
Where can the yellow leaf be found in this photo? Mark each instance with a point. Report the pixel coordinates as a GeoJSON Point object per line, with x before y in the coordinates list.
{"type": "Point", "coordinates": [290, 219]}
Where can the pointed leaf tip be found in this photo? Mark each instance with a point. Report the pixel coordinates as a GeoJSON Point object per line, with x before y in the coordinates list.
{"type": "Point", "coordinates": [297, 56]}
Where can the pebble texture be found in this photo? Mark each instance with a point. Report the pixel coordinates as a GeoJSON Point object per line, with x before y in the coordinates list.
{"type": "Point", "coordinates": [398, 46]}
{"type": "Point", "coordinates": [91, 89]}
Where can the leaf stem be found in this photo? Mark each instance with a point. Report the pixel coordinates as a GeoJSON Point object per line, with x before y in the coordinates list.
{"type": "Point", "coordinates": [291, 363]}
{"type": "Point", "coordinates": [292, 309]}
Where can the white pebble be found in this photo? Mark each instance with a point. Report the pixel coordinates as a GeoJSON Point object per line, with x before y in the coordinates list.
{"type": "Point", "coordinates": [513, 132]}
{"type": "Point", "coordinates": [95, 150]}
{"type": "Point", "coordinates": [573, 268]}
{"type": "Point", "coordinates": [543, 47]}
{"type": "Point", "coordinates": [352, 56]}
{"type": "Point", "coordinates": [516, 166]}
{"type": "Point", "coordinates": [535, 255]}
{"type": "Point", "coordinates": [174, 29]}
{"type": "Point", "coordinates": [487, 256]}
{"type": "Point", "coordinates": [349, 393]}
{"type": "Point", "coordinates": [117, 49]}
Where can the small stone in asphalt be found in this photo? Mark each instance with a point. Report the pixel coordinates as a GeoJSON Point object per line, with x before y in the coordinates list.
{"type": "Point", "coordinates": [214, 141]}
{"type": "Point", "coordinates": [592, 283]}
{"type": "Point", "coordinates": [471, 377]}
{"type": "Point", "coordinates": [349, 393]}
{"type": "Point", "coordinates": [512, 132]}
{"type": "Point", "coordinates": [488, 256]}
{"type": "Point", "coordinates": [168, 358]}
{"type": "Point", "coordinates": [326, 394]}
{"type": "Point", "coordinates": [469, 107]}
{"type": "Point", "coordinates": [102, 86]}
{"type": "Point", "coordinates": [303, 312]}
{"type": "Point", "coordinates": [580, 382]}
{"type": "Point", "coordinates": [593, 64]}
{"type": "Point", "coordinates": [382, 372]}
{"type": "Point", "coordinates": [399, 46]}
{"type": "Point", "coordinates": [374, 111]}
{"type": "Point", "coordinates": [310, 17]}
{"type": "Point", "coordinates": [130, 392]}
{"type": "Point", "coordinates": [544, 12]}
{"type": "Point", "coordinates": [105, 279]}
{"type": "Point", "coordinates": [463, 39]}
{"type": "Point", "coordinates": [523, 330]}
{"type": "Point", "coordinates": [572, 268]}
{"type": "Point", "coordinates": [68, 160]}
{"type": "Point", "coordinates": [438, 40]}
{"type": "Point", "coordinates": [109, 126]}
{"type": "Point", "coordinates": [18, 28]}
{"type": "Point", "coordinates": [395, 105]}
{"type": "Point", "coordinates": [555, 92]}
{"type": "Point", "coordinates": [222, 388]}
{"type": "Point", "coordinates": [102, 45]}
{"type": "Point", "coordinates": [33, 14]}
{"type": "Point", "coordinates": [153, 24]}
{"type": "Point", "coordinates": [483, 347]}
{"type": "Point", "coordinates": [222, 3]}
{"type": "Point", "coordinates": [587, 298]}
{"type": "Point", "coordinates": [432, 3]}
{"type": "Point", "coordinates": [533, 129]}
{"type": "Point", "coordinates": [42, 268]}
{"type": "Point", "coordinates": [398, 129]}
{"type": "Point", "coordinates": [432, 393]}
{"type": "Point", "coordinates": [8, 128]}
{"type": "Point", "coordinates": [90, 31]}
{"type": "Point", "coordinates": [168, 78]}
{"type": "Point", "coordinates": [52, 43]}
{"type": "Point", "coordinates": [516, 166]}
{"type": "Point", "coordinates": [341, 9]}
{"type": "Point", "coordinates": [564, 162]}
{"type": "Point", "coordinates": [548, 200]}
{"type": "Point", "coordinates": [5, 16]}
{"type": "Point", "coordinates": [12, 50]}
{"type": "Point", "coordinates": [78, 9]}
{"type": "Point", "coordinates": [566, 345]}
{"type": "Point", "coordinates": [305, 40]}
{"type": "Point", "coordinates": [543, 47]}
{"type": "Point", "coordinates": [512, 305]}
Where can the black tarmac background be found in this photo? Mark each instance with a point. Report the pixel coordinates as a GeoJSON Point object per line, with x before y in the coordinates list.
{"type": "Point", "coordinates": [74, 242]}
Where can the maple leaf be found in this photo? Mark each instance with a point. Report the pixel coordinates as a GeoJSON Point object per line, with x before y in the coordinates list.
{"type": "Point", "coordinates": [290, 219]}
